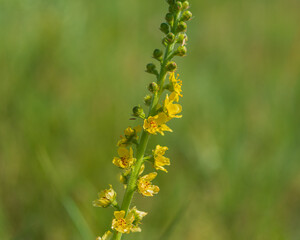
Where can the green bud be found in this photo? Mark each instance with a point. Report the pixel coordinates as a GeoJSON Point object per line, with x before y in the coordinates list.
{"type": "Point", "coordinates": [178, 6]}
{"type": "Point", "coordinates": [170, 37]}
{"type": "Point", "coordinates": [153, 87]}
{"type": "Point", "coordinates": [164, 27]}
{"type": "Point", "coordinates": [185, 5]}
{"type": "Point", "coordinates": [165, 41]}
{"type": "Point", "coordinates": [181, 38]}
{"type": "Point", "coordinates": [181, 51]}
{"type": "Point", "coordinates": [182, 26]}
{"type": "Point", "coordinates": [171, 66]}
{"type": "Point", "coordinates": [169, 18]}
{"type": "Point", "coordinates": [157, 54]}
{"type": "Point", "coordinates": [151, 68]}
{"type": "Point", "coordinates": [138, 112]}
{"type": "Point", "coordinates": [186, 16]}
{"type": "Point", "coordinates": [148, 100]}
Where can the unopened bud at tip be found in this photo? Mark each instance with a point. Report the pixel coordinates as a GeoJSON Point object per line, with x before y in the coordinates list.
{"type": "Point", "coordinates": [171, 66]}
{"type": "Point", "coordinates": [169, 18]}
{"type": "Point", "coordinates": [138, 111]}
{"type": "Point", "coordinates": [186, 16]}
{"type": "Point", "coordinates": [185, 5]}
{"type": "Point", "coordinates": [151, 68]}
{"type": "Point", "coordinates": [147, 100]}
{"type": "Point", "coordinates": [181, 51]}
{"type": "Point", "coordinates": [157, 54]}
{"type": "Point", "coordinates": [178, 6]}
{"type": "Point", "coordinates": [164, 27]}
{"type": "Point", "coordinates": [182, 37]}
{"type": "Point", "coordinates": [170, 37]}
{"type": "Point", "coordinates": [182, 26]}
{"type": "Point", "coordinates": [153, 87]}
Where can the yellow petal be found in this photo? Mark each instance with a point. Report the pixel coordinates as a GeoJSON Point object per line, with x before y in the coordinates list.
{"type": "Point", "coordinates": [150, 176]}
{"type": "Point", "coordinates": [119, 214]}
{"type": "Point", "coordinates": [123, 152]}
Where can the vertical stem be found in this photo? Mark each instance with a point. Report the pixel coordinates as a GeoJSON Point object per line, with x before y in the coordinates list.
{"type": "Point", "coordinates": [131, 186]}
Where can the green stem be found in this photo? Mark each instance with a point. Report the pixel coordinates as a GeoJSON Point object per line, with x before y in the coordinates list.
{"type": "Point", "coordinates": [131, 186]}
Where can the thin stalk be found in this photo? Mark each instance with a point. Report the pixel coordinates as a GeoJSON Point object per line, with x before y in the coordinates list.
{"type": "Point", "coordinates": [141, 147]}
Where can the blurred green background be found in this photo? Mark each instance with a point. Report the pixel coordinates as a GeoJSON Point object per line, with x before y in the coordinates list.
{"type": "Point", "coordinates": [70, 72]}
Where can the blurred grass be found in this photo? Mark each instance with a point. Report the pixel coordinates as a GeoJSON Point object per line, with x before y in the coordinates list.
{"type": "Point", "coordinates": [70, 71]}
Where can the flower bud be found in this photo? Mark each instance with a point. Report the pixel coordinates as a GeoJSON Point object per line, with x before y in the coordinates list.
{"type": "Point", "coordinates": [105, 198]}
{"type": "Point", "coordinates": [169, 18]}
{"type": "Point", "coordinates": [186, 16]}
{"type": "Point", "coordinates": [182, 26]}
{"type": "Point", "coordinates": [185, 5]}
{"type": "Point", "coordinates": [165, 41]}
{"type": "Point", "coordinates": [147, 100]}
{"type": "Point", "coordinates": [153, 87]}
{"type": "Point", "coordinates": [181, 51]}
{"type": "Point", "coordinates": [171, 66]}
{"type": "Point", "coordinates": [151, 68]}
{"type": "Point", "coordinates": [181, 38]}
{"type": "Point", "coordinates": [164, 27]}
{"type": "Point", "coordinates": [170, 37]}
{"type": "Point", "coordinates": [157, 54]}
{"type": "Point", "coordinates": [138, 111]}
{"type": "Point", "coordinates": [178, 6]}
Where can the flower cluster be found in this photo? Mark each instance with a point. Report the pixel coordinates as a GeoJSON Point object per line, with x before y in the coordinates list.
{"type": "Point", "coordinates": [128, 223]}
{"type": "Point", "coordinates": [131, 158]}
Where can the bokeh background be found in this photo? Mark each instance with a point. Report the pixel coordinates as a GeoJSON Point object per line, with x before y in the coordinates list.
{"type": "Point", "coordinates": [70, 72]}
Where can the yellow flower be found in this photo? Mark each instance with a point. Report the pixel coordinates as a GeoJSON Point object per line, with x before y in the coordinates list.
{"type": "Point", "coordinates": [175, 86]}
{"type": "Point", "coordinates": [172, 109]}
{"type": "Point", "coordinates": [138, 216]}
{"type": "Point", "coordinates": [107, 236]}
{"type": "Point", "coordinates": [145, 187]}
{"type": "Point", "coordinates": [159, 160]}
{"type": "Point", "coordinates": [105, 198]}
{"type": "Point", "coordinates": [130, 136]}
{"type": "Point", "coordinates": [125, 159]}
{"type": "Point", "coordinates": [121, 223]}
{"type": "Point", "coordinates": [156, 124]}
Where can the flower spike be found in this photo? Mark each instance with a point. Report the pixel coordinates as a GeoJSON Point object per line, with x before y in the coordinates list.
{"type": "Point", "coordinates": [133, 144]}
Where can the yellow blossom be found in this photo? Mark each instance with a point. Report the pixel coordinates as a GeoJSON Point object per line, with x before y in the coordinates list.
{"type": "Point", "coordinates": [138, 216]}
{"type": "Point", "coordinates": [125, 159]}
{"type": "Point", "coordinates": [172, 109]}
{"type": "Point", "coordinates": [156, 124]}
{"type": "Point", "coordinates": [121, 223]}
{"type": "Point", "coordinates": [107, 236]}
{"type": "Point", "coordinates": [176, 86]}
{"type": "Point", "coordinates": [145, 187]}
{"type": "Point", "coordinates": [130, 136]}
{"type": "Point", "coordinates": [105, 198]}
{"type": "Point", "coordinates": [159, 160]}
